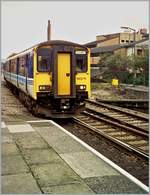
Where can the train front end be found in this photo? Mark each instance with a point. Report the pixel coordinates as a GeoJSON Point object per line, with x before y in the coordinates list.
{"type": "Point", "coordinates": [62, 78]}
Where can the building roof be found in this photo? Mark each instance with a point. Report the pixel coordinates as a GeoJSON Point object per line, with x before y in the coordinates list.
{"type": "Point", "coordinates": [91, 44]}
{"type": "Point", "coordinates": [106, 37]}
{"type": "Point", "coordinates": [114, 47]}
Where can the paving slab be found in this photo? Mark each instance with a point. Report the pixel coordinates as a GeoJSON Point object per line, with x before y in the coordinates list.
{"type": "Point", "coordinates": [13, 164]}
{"type": "Point", "coordinates": [40, 124]}
{"type": "Point", "coordinates": [8, 118]}
{"type": "Point", "coordinates": [4, 131]}
{"type": "Point", "coordinates": [3, 125]}
{"type": "Point", "coordinates": [73, 188]}
{"type": "Point", "coordinates": [40, 156]}
{"type": "Point", "coordinates": [27, 117]}
{"type": "Point", "coordinates": [54, 174]}
{"type": "Point", "coordinates": [86, 164]}
{"type": "Point", "coordinates": [15, 122]}
{"type": "Point", "coordinates": [7, 138]}
{"type": "Point", "coordinates": [9, 149]}
{"type": "Point", "coordinates": [56, 139]}
{"type": "Point", "coordinates": [55, 132]}
{"type": "Point", "coordinates": [30, 140]}
{"type": "Point", "coordinates": [20, 128]}
{"type": "Point", "coordinates": [115, 184]}
{"type": "Point", "coordinates": [19, 184]}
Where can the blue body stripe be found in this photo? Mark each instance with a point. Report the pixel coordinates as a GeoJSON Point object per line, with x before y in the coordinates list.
{"type": "Point", "coordinates": [20, 78]}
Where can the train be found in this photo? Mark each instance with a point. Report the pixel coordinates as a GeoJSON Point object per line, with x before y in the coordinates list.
{"type": "Point", "coordinates": [51, 78]}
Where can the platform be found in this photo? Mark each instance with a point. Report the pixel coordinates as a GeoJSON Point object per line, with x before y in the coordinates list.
{"type": "Point", "coordinates": [41, 157]}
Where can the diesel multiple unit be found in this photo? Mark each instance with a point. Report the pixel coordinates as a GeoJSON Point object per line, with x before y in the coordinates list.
{"type": "Point", "coordinates": [50, 78]}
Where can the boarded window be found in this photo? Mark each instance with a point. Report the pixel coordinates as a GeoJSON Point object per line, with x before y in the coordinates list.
{"type": "Point", "coordinates": [22, 62]}
{"type": "Point", "coordinates": [7, 66]}
{"type": "Point", "coordinates": [13, 66]}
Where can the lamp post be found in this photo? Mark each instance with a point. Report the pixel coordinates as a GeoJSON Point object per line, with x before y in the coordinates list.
{"type": "Point", "coordinates": [134, 41]}
{"type": "Point", "coordinates": [134, 33]}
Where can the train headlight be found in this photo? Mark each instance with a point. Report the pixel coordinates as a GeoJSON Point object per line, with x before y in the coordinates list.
{"type": "Point", "coordinates": [81, 87]}
{"type": "Point", "coordinates": [44, 88]}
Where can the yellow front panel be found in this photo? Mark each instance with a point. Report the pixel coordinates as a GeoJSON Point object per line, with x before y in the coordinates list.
{"type": "Point", "coordinates": [40, 78]}
{"type": "Point", "coordinates": [85, 77]}
{"type": "Point", "coordinates": [63, 73]}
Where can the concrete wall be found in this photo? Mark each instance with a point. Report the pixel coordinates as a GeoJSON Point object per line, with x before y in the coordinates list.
{"type": "Point", "coordinates": [129, 37]}
{"type": "Point", "coordinates": [95, 60]}
{"type": "Point", "coordinates": [113, 41]}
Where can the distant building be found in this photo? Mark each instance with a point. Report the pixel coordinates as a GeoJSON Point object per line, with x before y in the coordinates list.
{"type": "Point", "coordinates": [122, 43]}
{"type": "Point", "coordinates": [118, 38]}
{"type": "Point", "coordinates": [122, 49]}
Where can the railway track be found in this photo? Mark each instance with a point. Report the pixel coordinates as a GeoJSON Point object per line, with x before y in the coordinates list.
{"type": "Point", "coordinates": [128, 137]}
{"type": "Point", "coordinates": [134, 104]}
{"type": "Point", "coordinates": [130, 118]}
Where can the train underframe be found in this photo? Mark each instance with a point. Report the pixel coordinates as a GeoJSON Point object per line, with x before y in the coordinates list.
{"type": "Point", "coordinates": [48, 106]}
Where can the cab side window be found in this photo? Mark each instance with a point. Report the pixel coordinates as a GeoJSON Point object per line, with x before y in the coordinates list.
{"type": "Point", "coordinates": [43, 63]}
{"type": "Point", "coordinates": [43, 59]}
{"type": "Point", "coordinates": [81, 62]}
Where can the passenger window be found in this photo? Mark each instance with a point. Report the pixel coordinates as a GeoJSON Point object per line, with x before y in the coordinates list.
{"type": "Point", "coordinates": [30, 65]}
{"type": "Point", "coordinates": [81, 63]}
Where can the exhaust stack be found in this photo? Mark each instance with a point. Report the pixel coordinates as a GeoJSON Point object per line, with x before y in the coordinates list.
{"type": "Point", "coordinates": [49, 31]}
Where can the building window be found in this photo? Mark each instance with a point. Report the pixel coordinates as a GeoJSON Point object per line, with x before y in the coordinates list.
{"type": "Point", "coordinates": [122, 41]}
{"type": "Point", "coordinates": [139, 52]}
{"type": "Point", "coordinates": [127, 41]}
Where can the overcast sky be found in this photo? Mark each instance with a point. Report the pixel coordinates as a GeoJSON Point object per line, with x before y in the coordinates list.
{"type": "Point", "coordinates": [24, 23]}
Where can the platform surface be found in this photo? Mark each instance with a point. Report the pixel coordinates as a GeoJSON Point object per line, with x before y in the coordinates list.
{"type": "Point", "coordinates": [38, 157]}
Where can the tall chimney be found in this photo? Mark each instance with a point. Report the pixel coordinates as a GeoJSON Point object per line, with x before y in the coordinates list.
{"type": "Point", "coordinates": [49, 31]}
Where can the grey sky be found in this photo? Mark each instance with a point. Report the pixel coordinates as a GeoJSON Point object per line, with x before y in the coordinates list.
{"type": "Point", "coordinates": [24, 23]}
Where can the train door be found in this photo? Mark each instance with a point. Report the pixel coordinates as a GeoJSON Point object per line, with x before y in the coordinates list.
{"type": "Point", "coordinates": [63, 74]}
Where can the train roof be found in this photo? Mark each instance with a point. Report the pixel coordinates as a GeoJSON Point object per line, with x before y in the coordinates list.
{"type": "Point", "coordinates": [53, 42]}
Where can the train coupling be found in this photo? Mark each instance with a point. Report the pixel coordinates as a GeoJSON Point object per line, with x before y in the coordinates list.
{"type": "Point", "coordinates": [64, 104]}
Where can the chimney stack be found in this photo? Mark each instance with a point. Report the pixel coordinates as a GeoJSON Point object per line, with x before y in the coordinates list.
{"type": "Point", "coordinates": [49, 31]}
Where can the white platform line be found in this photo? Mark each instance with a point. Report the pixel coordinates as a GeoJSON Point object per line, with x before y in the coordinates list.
{"type": "Point", "coordinates": [38, 121]}
{"type": "Point", "coordinates": [119, 169]}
